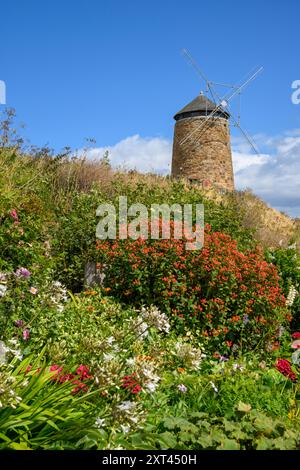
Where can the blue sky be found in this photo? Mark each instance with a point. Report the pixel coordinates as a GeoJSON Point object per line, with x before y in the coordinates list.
{"type": "Point", "coordinates": [113, 70]}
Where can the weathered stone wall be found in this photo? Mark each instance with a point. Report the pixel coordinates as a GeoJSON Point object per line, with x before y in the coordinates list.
{"type": "Point", "coordinates": [205, 156]}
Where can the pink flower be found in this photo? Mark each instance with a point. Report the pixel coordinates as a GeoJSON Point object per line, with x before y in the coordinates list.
{"type": "Point", "coordinates": [22, 272]}
{"type": "Point", "coordinates": [33, 290]}
{"type": "Point", "coordinates": [296, 344]}
{"type": "Point", "coordinates": [14, 215]}
{"type": "Point", "coordinates": [26, 334]}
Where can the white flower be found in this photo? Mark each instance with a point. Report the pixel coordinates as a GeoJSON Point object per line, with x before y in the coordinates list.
{"type": "Point", "coordinates": [237, 367]}
{"type": "Point", "coordinates": [151, 387]}
{"type": "Point", "coordinates": [18, 355]}
{"type": "Point", "coordinates": [130, 362]}
{"type": "Point", "coordinates": [110, 340]}
{"type": "Point", "coordinates": [126, 405]}
{"type": "Point", "coordinates": [3, 290]}
{"type": "Point", "coordinates": [291, 296]}
{"type": "Point", "coordinates": [3, 351]}
{"type": "Point", "coordinates": [214, 387]}
{"type": "Point", "coordinates": [182, 388]}
{"type": "Point", "coordinates": [155, 318]}
{"type": "Point", "coordinates": [192, 357]}
{"type": "Point", "coordinates": [99, 423]}
{"type": "Point", "coordinates": [125, 429]}
{"type": "Point", "coordinates": [107, 357]}
{"type": "Point", "coordinates": [141, 328]}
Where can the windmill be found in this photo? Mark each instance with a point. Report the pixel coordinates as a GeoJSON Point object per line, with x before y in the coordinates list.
{"type": "Point", "coordinates": [202, 139]}
{"type": "Point", "coordinates": [224, 102]}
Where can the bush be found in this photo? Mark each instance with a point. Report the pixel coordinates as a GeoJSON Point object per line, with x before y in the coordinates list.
{"type": "Point", "coordinates": [232, 297]}
{"type": "Point", "coordinates": [287, 262]}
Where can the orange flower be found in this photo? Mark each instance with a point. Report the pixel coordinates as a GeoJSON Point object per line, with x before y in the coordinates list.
{"type": "Point", "coordinates": [90, 308]}
{"type": "Point", "coordinates": [107, 289]}
{"type": "Point", "coordinates": [181, 370]}
{"type": "Point", "coordinates": [90, 292]}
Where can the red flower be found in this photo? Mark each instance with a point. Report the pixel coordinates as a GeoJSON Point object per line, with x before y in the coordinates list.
{"type": "Point", "coordinates": [130, 382]}
{"type": "Point", "coordinates": [296, 335]}
{"type": "Point", "coordinates": [284, 367]}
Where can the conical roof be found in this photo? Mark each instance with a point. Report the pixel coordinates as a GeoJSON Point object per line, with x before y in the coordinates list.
{"type": "Point", "coordinates": [201, 104]}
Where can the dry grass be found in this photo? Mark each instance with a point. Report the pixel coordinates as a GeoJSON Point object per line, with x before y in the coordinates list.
{"type": "Point", "coordinates": [272, 228]}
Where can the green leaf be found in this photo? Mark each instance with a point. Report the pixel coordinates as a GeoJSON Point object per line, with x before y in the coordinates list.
{"type": "Point", "coordinates": [229, 444]}
{"type": "Point", "coordinates": [168, 440]}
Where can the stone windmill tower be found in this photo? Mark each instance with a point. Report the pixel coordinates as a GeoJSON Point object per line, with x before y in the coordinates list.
{"type": "Point", "coordinates": [201, 146]}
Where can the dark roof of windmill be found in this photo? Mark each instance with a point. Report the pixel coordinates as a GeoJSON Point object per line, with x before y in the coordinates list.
{"type": "Point", "coordinates": [200, 103]}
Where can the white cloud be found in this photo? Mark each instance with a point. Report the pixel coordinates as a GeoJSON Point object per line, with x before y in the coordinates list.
{"type": "Point", "coordinates": [145, 154]}
{"type": "Point", "coordinates": [274, 175]}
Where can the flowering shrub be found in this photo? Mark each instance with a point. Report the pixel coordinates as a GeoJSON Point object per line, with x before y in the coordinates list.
{"type": "Point", "coordinates": [230, 295]}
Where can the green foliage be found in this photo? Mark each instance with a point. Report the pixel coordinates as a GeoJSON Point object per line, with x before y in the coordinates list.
{"type": "Point", "coordinates": [287, 262]}
{"type": "Point", "coordinates": [45, 415]}
{"type": "Point", "coordinates": [247, 429]}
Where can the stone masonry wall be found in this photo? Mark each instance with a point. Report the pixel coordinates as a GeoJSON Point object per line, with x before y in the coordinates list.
{"type": "Point", "coordinates": [206, 155]}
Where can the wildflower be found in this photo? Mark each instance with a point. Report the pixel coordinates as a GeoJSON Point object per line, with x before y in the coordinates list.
{"type": "Point", "coordinates": [151, 387]}
{"type": "Point", "coordinates": [182, 388]}
{"type": "Point", "coordinates": [155, 318]}
{"type": "Point", "coordinates": [296, 344]}
{"type": "Point", "coordinates": [22, 272]}
{"type": "Point", "coordinates": [19, 323]}
{"type": "Point", "coordinates": [237, 367]}
{"type": "Point", "coordinates": [33, 290]}
{"type": "Point", "coordinates": [26, 334]}
{"type": "Point", "coordinates": [280, 331]}
{"type": "Point", "coordinates": [56, 368]}
{"type": "Point", "coordinates": [141, 328]}
{"type": "Point", "coordinates": [291, 296]}
{"type": "Point", "coordinates": [296, 335]}
{"type": "Point", "coordinates": [108, 357]}
{"type": "Point", "coordinates": [125, 429]}
{"type": "Point", "coordinates": [110, 340]}
{"type": "Point", "coordinates": [83, 372]}
{"type": "Point", "coordinates": [3, 290]}
{"type": "Point", "coordinates": [3, 351]}
{"type": "Point", "coordinates": [223, 358]}
{"type": "Point", "coordinates": [245, 319]}
{"type": "Point", "coordinates": [14, 215]}
{"type": "Point", "coordinates": [127, 405]}
{"type": "Point", "coordinates": [191, 356]}
{"type": "Point", "coordinates": [214, 387]}
{"type": "Point", "coordinates": [284, 367]}
{"type": "Point", "coordinates": [2, 277]}
{"type": "Point", "coordinates": [130, 382]}
{"type": "Point", "coordinates": [130, 362]}
{"type": "Point", "coordinates": [99, 423]}
{"type": "Point", "coordinates": [18, 355]}
{"type": "Point", "coordinates": [181, 370]}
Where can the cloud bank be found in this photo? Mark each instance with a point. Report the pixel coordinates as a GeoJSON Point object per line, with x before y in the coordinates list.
{"type": "Point", "coordinates": [274, 175]}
